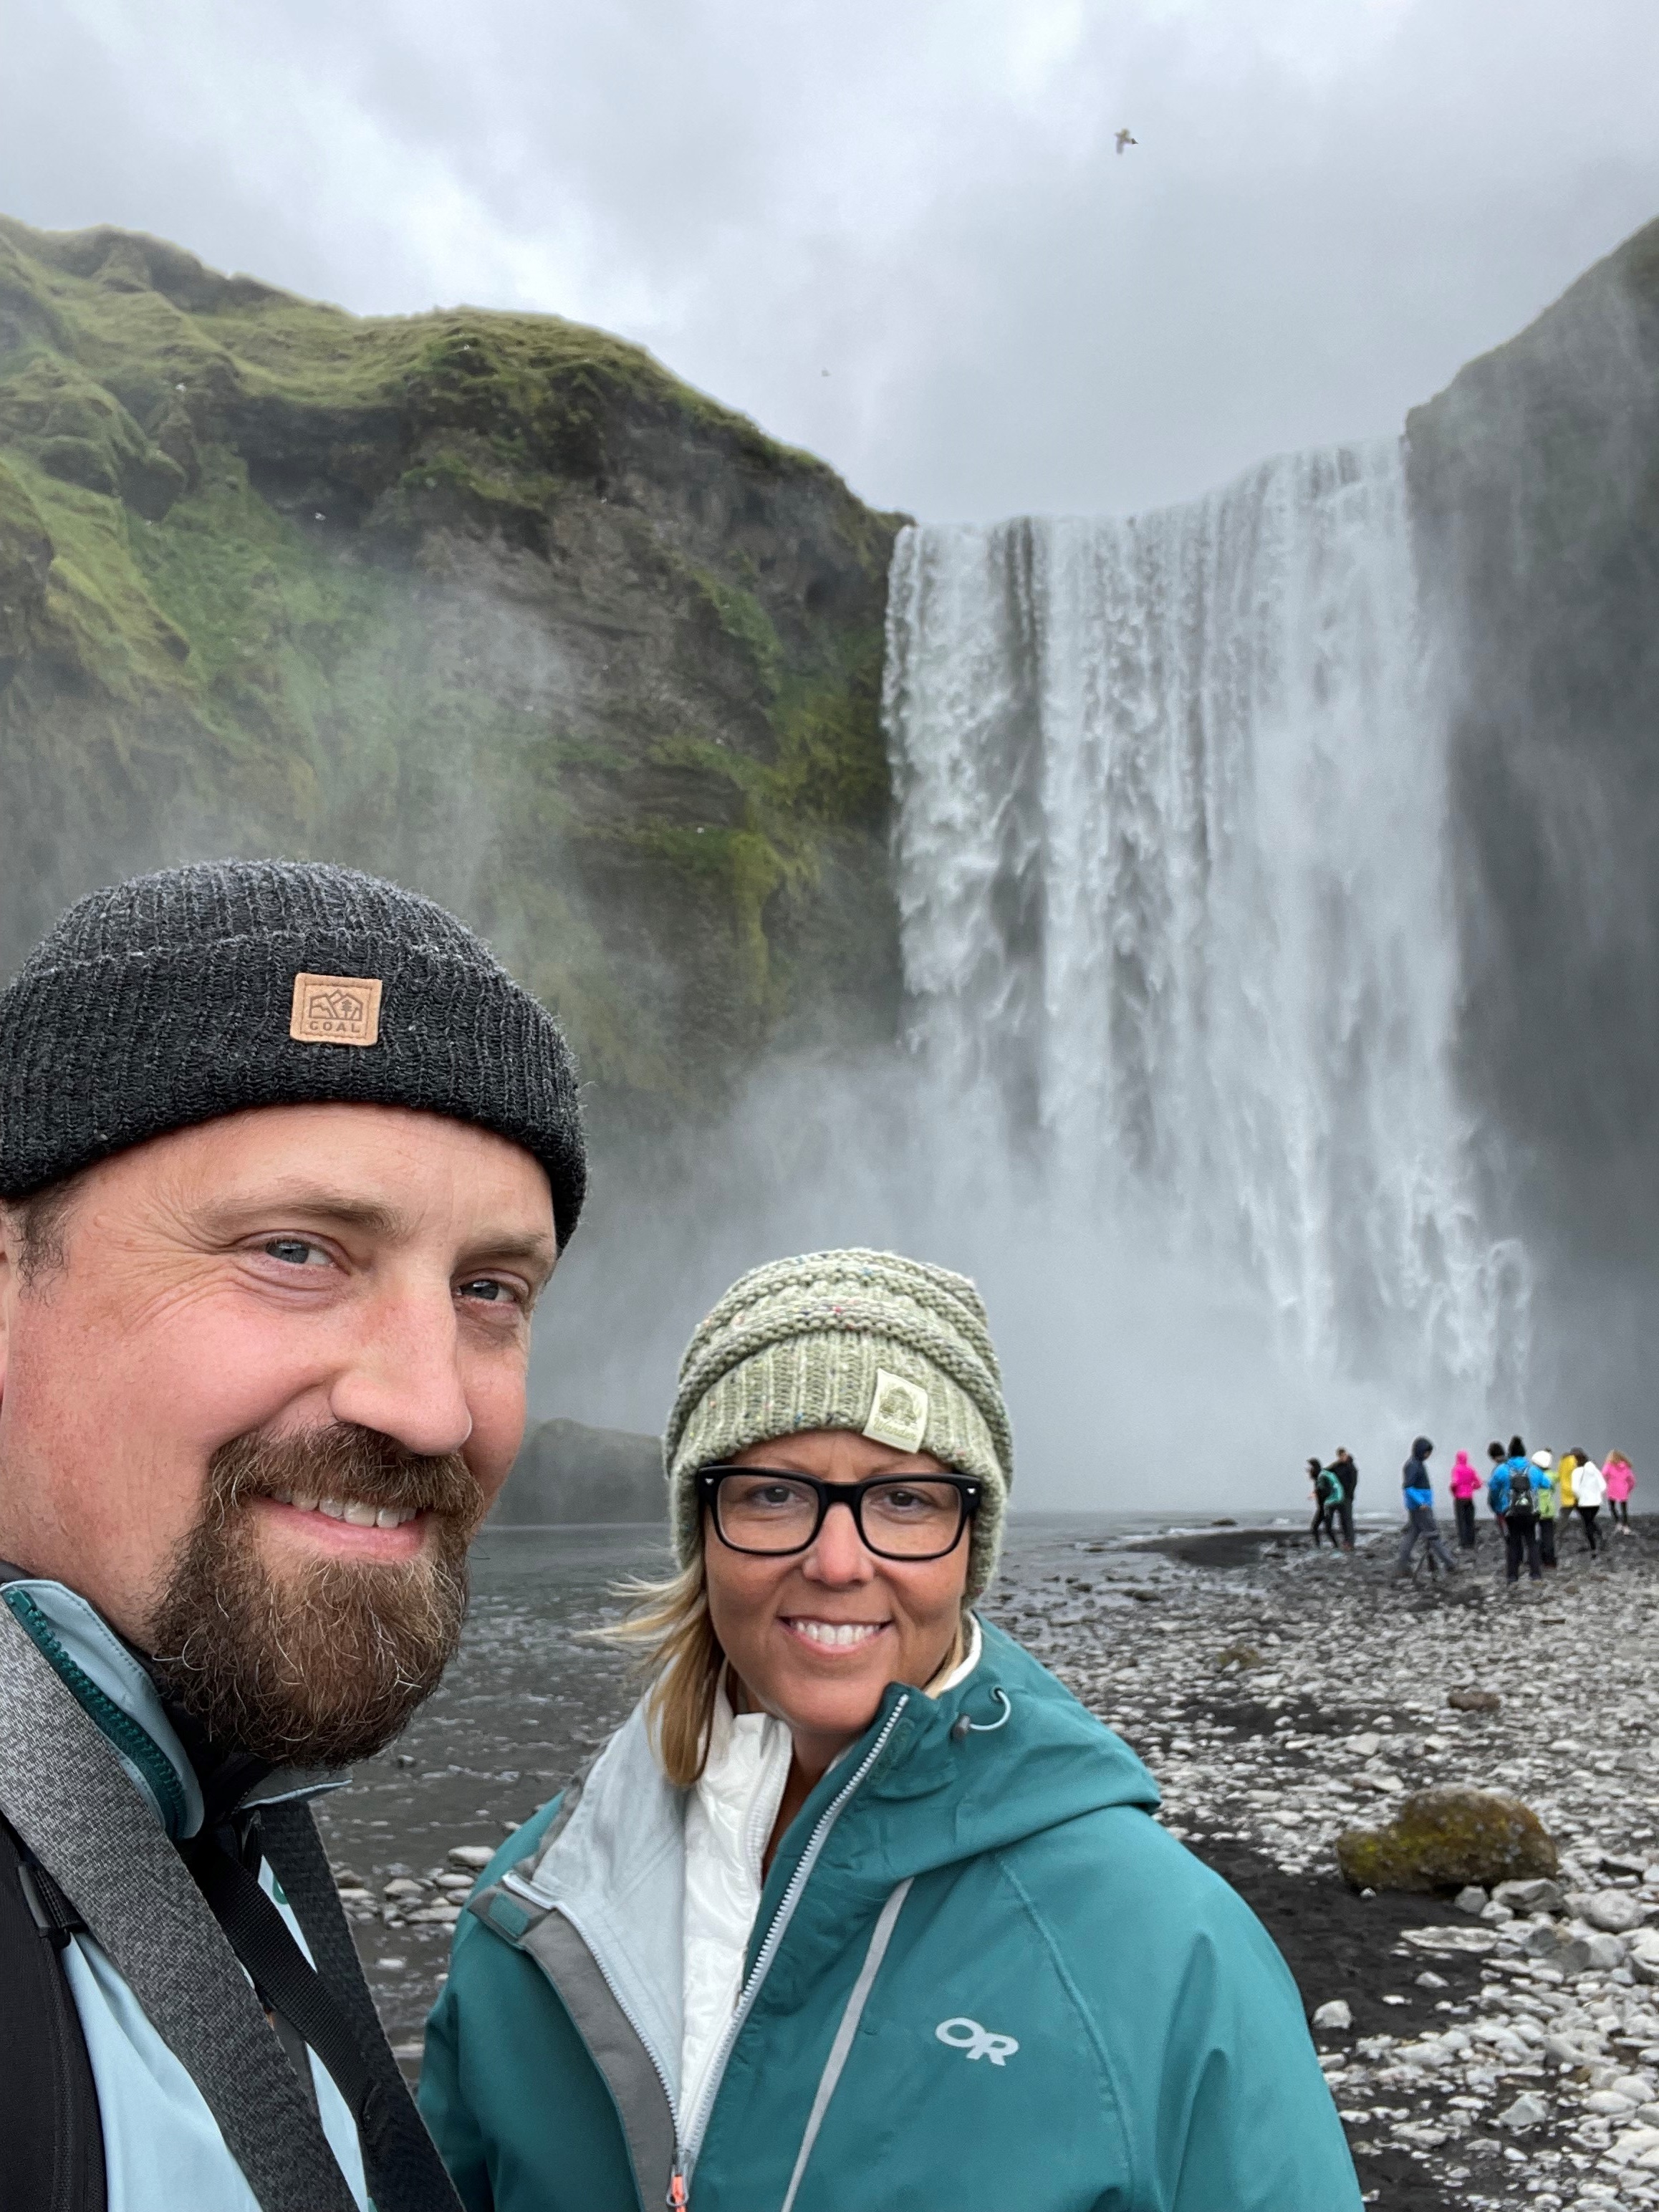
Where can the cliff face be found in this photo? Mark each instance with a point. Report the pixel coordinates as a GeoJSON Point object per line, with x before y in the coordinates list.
{"type": "Point", "coordinates": [1535, 488]}
{"type": "Point", "coordinates": [489, 603]}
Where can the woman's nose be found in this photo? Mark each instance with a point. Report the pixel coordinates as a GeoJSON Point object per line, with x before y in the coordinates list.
{"type": "Point", "coordinates": [838, 1552]}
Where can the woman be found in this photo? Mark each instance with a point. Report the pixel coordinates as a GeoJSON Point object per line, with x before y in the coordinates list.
{"type": "Point", "coordinates": [1465, 1489]}
{"type": "Point", "coordinates": [1621, 1477]}
{"type": "Point", "coordinates": [860, 1907]}
{"type": "Point", "coordinates": [1590, 1488]}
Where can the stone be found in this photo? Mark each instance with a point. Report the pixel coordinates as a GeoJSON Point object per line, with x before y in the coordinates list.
{"type": "Point", "coordinates": [1337, 2015]}
{"type": "Point", "coordinates": [476, 1855]}
{"type": "Point", "coordinates": [1642, 1954]}
{"type": "Point", "coordinates": [1474, 1701]}
{"type": "Point", "coordinates": [1472, 1899]}
{"type": "Point", "coordinates": [401, 1886]}
{"type": "Point", "coordinates": [1477, 1942]}
{"type": "Point", "coordinates": [1606, 1952]}
{"type": "Point", "coordinates": [1615, 1911]}
{"type": "Point", "coordinates": [1560, 1947]}
{"type": "Point", "coordinates": [1538, 1896]}
{"type": "Point", "coordinates": [1529, 2110]}
{"type": "Point", "coordinates": [1445, 1838]}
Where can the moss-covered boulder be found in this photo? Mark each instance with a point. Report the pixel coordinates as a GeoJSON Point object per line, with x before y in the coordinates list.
{"type": "Point", "coordinates": [1446, 1838]}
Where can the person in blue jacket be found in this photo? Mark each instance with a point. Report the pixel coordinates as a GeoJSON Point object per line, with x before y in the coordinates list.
{"type": "Point", "coordinates": [861, 1906]}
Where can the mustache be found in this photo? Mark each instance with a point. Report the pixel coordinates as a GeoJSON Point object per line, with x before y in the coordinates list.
{"type": "Point", "coordinates": [342, 1460]}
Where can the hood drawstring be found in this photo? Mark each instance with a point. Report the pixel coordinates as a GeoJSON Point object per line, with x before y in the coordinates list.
{"type": "Point", "coordinates": [962, 1727]}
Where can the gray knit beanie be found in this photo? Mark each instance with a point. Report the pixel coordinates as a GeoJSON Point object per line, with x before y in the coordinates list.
{"type": "Point", "coordinates": [892, 1348]}
{"type": "Point", "coordinates": [175, 997]}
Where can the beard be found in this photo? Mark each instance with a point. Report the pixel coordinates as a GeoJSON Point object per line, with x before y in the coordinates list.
{"type": "Point", "coordinates": [324, 1664]}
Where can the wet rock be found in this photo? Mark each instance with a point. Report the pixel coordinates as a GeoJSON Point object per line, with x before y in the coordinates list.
{"type": "Point", "coordinates": [476, 1855]}
{"type": "Point", "coordinates": [1445, 1838]}
{"type": "Point", "coordinates": [1337, 2016]}
{"type": "Point", "coordinates": [1474, 1701]}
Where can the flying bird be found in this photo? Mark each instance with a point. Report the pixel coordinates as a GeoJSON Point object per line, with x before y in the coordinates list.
{"type": "Point", "coordinates": [1126, 138]}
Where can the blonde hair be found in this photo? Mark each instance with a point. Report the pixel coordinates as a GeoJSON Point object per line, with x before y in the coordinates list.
{"type": "Point", "coordinates": [678, 1653]}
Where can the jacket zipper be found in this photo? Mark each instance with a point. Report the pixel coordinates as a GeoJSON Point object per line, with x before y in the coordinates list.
{"type": "Point", "coordinates": [679, 2197]}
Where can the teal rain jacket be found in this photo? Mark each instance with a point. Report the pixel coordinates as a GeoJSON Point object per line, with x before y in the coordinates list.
{"type": "Point", "coordinates": [981, 1975]}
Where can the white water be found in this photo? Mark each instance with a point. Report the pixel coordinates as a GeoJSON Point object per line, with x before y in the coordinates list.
{"type": "Point", "coordinates": [1176, 930]}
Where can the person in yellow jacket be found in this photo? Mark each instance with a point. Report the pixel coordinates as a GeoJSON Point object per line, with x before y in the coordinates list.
{"type": "Point", "coordinates": [1563, 1468]}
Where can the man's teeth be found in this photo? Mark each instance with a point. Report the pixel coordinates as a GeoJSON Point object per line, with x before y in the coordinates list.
{"type": "Point", "coordinates": [356, 1512]}
{"type": "Point", "coordinates": [839, 1633]}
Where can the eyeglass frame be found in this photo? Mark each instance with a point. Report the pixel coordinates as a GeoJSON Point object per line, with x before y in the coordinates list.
{"type": "Point", "coordinates": [971, 1491]}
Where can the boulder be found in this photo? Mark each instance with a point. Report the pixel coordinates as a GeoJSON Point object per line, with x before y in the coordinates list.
{"type": "Point", "coordinates": [1471, 1900]}
{"type": "Point", "coordinates": [1446, 1838]}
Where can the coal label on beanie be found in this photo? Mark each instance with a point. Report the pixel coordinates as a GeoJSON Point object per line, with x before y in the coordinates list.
{"type": "Point", "coordinates": [898, 1413]}
{"type": "Point", "coordinates": [336, 1010]}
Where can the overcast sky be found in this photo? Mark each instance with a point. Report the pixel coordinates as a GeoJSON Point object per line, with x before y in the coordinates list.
{"type": "Point", "coordinates": [1332, 204]}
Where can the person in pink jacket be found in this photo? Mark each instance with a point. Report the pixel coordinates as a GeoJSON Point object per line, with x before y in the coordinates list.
{"type": "Point", "coordinates": [1620, 1479]}
{"type": "Point", "coordinates": [1465, 1487]}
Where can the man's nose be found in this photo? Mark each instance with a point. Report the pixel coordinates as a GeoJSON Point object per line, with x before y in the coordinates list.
{"type": "Point", "coordinates": [838, 1552]}
{"type": "Point", "coordinates": [403, 1375]}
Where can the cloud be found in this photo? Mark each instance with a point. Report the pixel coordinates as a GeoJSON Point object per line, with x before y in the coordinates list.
{"type": "Point", "coordinates": [1331, 205]}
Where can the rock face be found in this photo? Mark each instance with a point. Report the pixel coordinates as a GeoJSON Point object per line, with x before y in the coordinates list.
{"type": "Point", "coordinates": [488, 602]}
{"type": "Point", "coordinates": [1447, 1837]}
{"type": "Point", "coordinates": [1534, 483]}
{"type": "Point", "coordinates": [566, 1472]}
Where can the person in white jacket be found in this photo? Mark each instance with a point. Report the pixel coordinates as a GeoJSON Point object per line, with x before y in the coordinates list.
{"type": "Point", "coordinates": [1589, 1487]}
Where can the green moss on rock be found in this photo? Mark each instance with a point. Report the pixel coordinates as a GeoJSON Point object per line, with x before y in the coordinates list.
{"type": "Point", "coordinates": [1444, 1838]}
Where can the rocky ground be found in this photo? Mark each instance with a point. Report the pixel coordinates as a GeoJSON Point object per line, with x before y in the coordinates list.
{"type": "Point", "coordinates": [1482, 2052]}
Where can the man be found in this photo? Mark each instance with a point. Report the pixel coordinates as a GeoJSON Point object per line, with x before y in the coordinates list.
{"type": "Point", "coordinates": [286, 1157]}
{"type": "Point", "coordinates": [1347, 1474]}
{"type": "Point", "coordinates": [1420, 1514]}
{"type": "Point", "coordinates": [1515, 1501]}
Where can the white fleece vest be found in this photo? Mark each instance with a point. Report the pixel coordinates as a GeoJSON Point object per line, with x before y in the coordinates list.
{"type": "Point", "coordinates": [728, 1822]}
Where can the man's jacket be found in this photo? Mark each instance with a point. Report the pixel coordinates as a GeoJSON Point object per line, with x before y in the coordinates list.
{"type": "Point", "coordinates": [162, 2150]}
{"type": "Point", "coordinates": [981, 1975]}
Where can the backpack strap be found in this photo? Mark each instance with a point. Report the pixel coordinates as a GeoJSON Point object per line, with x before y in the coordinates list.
{"type": "Point", "coordinates": [66, 1793]}
{"type": "Point", "coordinates": [54, 2134]}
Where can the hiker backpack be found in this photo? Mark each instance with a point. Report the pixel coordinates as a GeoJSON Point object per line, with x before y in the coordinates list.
{"type": "Point", "coordinates": [1522, 1505]}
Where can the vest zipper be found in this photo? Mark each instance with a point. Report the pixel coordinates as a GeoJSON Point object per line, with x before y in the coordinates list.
{"type": "Point", "coordinates": [679, 2197]}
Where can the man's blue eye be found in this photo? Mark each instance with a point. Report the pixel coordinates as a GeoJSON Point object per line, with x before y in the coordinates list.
{"type": "Point", "coordinates": [295, 1251]}
{"type": "Point", "coordinates": [485, 1288]}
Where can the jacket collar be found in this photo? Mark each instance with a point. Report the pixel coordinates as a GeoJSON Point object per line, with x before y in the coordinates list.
{"type": "Point", "coordinates": [111, 1683]}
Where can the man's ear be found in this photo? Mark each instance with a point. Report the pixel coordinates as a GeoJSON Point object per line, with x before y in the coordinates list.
{"type": "Point", "coordinates": [9, 1281]}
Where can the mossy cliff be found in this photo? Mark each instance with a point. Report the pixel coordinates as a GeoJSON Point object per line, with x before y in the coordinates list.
{"type": "Point", "coordinates": [490, 603]}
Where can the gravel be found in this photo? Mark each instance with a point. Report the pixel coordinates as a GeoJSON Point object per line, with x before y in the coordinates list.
{"type": "Point", "coordinates": [1498, 2051]}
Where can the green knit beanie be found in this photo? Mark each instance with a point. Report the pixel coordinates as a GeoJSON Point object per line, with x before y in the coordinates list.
{"type": "Point", "coordinates": [891, 1348]}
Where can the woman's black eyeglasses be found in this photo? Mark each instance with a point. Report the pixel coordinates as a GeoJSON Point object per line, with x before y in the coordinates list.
{"type": "Point", "coordinates": [773, 1511]}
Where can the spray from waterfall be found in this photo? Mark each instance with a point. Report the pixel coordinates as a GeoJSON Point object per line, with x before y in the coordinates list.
{"type": "Point", "coordinates": [1177, 934]}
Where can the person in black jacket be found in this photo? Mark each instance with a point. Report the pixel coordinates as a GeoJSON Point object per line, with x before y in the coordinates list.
{"type": "Point", "coordinates": [1348, 1475]}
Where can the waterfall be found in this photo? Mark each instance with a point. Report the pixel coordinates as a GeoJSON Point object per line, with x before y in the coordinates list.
{"type": "Point", "coordinates": [1171, 856]}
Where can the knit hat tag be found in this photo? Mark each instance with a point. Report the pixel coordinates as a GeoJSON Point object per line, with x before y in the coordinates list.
{"type": "Point", "coordinates": [898, 1413]}
{"type": "Point", "coordinates": [336, 1010]}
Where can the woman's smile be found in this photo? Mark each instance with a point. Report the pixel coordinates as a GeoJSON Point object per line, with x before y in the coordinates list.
{"type": "Point", "coordinates": [837, 1635]}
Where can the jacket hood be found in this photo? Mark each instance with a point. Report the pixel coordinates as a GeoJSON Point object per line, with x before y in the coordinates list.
{"type": "Point", "coordinates": [1421, 1446]}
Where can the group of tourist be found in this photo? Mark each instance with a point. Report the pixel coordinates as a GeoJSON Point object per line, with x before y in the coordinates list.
{"type": "Point", "coordinates": [1527, 1495]}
